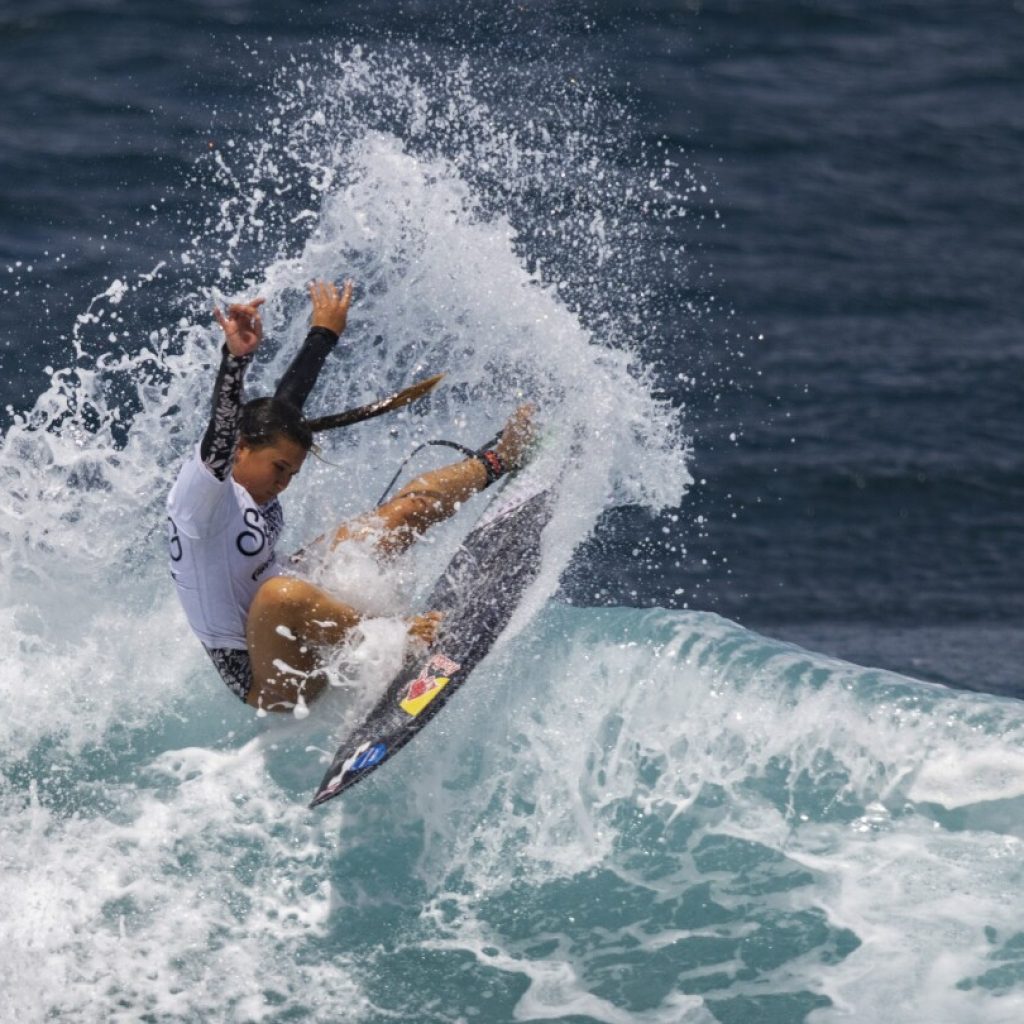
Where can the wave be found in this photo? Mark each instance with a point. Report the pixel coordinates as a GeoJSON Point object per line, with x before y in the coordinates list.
{"type": "Point", "coordinates": [626, 816]}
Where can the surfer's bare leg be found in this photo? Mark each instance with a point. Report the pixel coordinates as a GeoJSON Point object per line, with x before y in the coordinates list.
{"type": "Point", "coordinates": [428, 499]}
{"type": "Point", "coordinates": [290, 618]}
{"type": "Point", "coordinates": [289, 621]}
{"type": "Point", "coordinates": [436, 495]}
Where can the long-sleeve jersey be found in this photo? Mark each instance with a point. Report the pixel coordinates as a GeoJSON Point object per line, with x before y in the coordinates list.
{"type": "Point", "coordinates": [221, 543]}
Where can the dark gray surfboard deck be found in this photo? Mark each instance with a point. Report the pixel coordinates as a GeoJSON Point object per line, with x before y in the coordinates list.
{"type": "Point", "coordinates": [478, 593]}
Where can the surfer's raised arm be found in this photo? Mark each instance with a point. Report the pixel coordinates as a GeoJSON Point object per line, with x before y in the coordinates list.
{"type": "Point", "coordinates": [330, 316]}
{"type": "Point", "coordinates": [243, 331]}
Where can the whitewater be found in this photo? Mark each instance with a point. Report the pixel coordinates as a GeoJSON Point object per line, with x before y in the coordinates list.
{"type": "Point", "coordinates": [625, 816]}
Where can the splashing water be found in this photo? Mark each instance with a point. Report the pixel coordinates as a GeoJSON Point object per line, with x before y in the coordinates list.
{"type": "Point", "coordinates": [624, 817]}
{"type": "Point", "coordinates": [327, 192]}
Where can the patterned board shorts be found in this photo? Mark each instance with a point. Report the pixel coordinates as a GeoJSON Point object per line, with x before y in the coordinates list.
{"type": "Point", "coordinates": [234, 668]}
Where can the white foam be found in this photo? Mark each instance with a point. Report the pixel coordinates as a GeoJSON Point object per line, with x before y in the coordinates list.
{"type": "Point", "coordinates": [822, 768]}
{"type": "Point", "coordinates": [169, 868]}
{"type": "Point", "coordinates": [196, 892]}
{"type": "Point", "coordinates": [158, 857]}
{"type": "Point", "coordinates": [961, 778]}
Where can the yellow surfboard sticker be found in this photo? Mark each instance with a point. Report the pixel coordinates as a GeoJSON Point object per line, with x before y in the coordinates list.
{"type": "Point", "coordinates": [426, 686]}
{"type": "Point", "coordinates": [422, 691]}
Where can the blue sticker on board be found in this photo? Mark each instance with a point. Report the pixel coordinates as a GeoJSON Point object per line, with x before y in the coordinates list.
{"type": "Point", "coordinates": [368, 758]}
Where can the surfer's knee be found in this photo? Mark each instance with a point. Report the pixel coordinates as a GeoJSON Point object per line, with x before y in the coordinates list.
{"type": "Point", "coordinates": [411, 510]}
{"type": "Point", "coordinates": [283, 597]}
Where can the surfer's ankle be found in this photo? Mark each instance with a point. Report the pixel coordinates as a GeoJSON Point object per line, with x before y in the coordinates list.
{"type": "Point", "coordinates": [494, 465]}
{"type": "Point", "coordinates": [511, 446]}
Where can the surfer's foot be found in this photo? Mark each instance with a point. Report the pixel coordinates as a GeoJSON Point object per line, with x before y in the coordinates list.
{"type": "Point", "coordinates": [425, 627]}
{"type": "Point", "coordinates": [516, 437]}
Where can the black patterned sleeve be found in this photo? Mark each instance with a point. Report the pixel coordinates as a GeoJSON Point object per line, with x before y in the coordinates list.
{"type": "Point", "coordinates": [217, 449]}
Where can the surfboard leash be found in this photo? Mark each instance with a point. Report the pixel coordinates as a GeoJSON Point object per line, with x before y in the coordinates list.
{"type": "Point", "coordinates": [488, 457]}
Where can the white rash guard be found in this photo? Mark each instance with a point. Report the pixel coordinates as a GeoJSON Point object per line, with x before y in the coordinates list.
{"type": "Point", "coordinates": [221, 547]}
{"type": "Point", "coordinates": [221, 543]}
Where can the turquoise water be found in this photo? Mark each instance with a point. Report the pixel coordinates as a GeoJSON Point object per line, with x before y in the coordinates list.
{"type": "Point", "coordinates": [627, 815]}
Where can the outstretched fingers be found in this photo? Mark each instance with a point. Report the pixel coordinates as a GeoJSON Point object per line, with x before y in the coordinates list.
{"type": "Point", "coordinates": [246, 314]}
{"type": "Point", "coordinates": [242, 326]}
{"type": "Point", "coordinates": [330, 309]}
{"type": "Point", "coordinates": [249, 309]}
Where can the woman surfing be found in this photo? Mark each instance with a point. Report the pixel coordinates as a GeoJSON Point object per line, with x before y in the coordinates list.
{"type": "Point", "coordinates": [263, 626]}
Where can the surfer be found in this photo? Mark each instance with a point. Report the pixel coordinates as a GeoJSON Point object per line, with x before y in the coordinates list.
{"type": "Point", "coordinates": [261, 623]}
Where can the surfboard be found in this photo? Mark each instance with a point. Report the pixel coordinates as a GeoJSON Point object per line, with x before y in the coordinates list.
{"type": "Point", "coordinates": [477, 593]}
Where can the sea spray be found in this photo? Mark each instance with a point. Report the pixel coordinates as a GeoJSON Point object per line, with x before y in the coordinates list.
{"type": "Point", "coordinates": [166, 826]}
{"type": "Point", "coordinates": [663, 804]}
{"type": "Point", "coordinates": [624, 816]}
{"type": "Point", "coordinates": [353, 176]}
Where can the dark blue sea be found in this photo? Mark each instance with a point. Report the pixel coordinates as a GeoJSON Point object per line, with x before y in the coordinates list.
{"type": "Point", "coordinates": [754, 749]}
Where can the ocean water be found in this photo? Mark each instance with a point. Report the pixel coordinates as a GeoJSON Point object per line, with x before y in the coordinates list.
{"type": "Point", "coordinates": [762, 257]}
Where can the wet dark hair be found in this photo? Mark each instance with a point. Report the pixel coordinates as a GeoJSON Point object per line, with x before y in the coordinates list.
{"type": "Point", "coordinates": [264, 420]}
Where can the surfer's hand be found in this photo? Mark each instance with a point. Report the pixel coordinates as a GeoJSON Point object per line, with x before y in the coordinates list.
{"type": "Point", "coordinates": [516, 436]}
{"type": "Point", "coordinates": [330, 309]}
{"type": "Point", "coordinates": [243, 328]}
{"type": "Point", "coordinates": [425, 627]}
